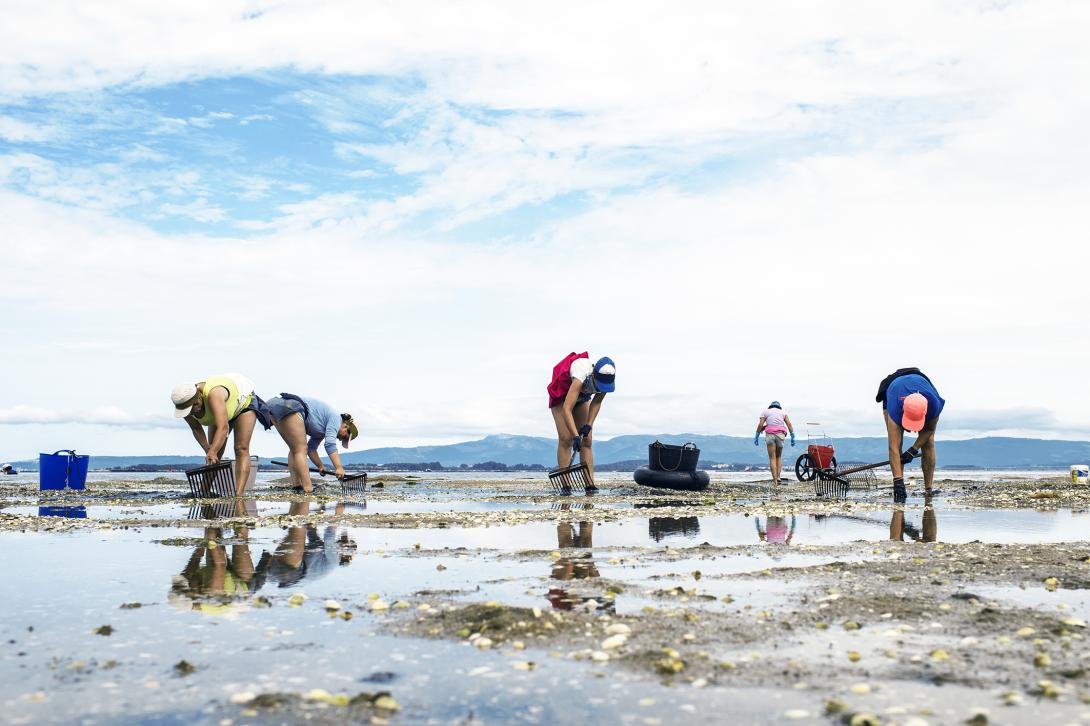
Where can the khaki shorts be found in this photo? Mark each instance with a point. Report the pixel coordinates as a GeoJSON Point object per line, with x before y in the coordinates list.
{"type": "Point", "coordinates": [775, 439]}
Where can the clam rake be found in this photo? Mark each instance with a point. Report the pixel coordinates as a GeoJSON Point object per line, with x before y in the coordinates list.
{"type": "Point", "coordinates": [350, 483]}
{"type": "Point", "coordinates": [572, 478]}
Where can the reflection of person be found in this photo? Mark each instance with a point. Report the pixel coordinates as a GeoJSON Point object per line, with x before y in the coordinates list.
{"type": "Point", "coordinates": [928, 529]}
{"type": "Point", "coordinates": [576, 393]}
{"type": "Point", "coordinates": [296, 418]}
{"type": "Point", "coordinates": [910, 403]}
{"type": "Point", "coordinates": [776, 529]}
{"type": "Point", "coordinates": [211, 572]}
{"type": "Point", "coordinates": [303, 553]}
{"type": "Point", "coordinates": [776, 426]}
{"type": "Point", "coordinates": [569, 567]}
{"type": "Point", "coordinates": [224, 404]}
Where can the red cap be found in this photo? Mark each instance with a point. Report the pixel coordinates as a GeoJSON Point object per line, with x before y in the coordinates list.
{"type": "Point", "coordinates": [915, 412]}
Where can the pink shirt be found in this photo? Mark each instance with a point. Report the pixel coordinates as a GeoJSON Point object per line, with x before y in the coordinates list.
{"type": "Point", "coordinates": [774, 423]}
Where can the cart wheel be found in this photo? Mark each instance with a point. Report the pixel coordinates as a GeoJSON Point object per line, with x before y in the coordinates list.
{"type": "Point", "coordinates": [805, 469]}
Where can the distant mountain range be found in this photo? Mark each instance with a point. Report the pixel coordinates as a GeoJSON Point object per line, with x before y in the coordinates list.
{"type": "Point", "coordinates": [510, 450]}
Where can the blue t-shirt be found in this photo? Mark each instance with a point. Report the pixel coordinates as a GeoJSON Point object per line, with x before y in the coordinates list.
{"type": "Point", "coordinates": [322, 424]}
{"type": "Point", "coordinates": [906, 385]}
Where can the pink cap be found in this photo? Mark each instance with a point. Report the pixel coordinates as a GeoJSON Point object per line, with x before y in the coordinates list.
{"type": "Point", "coordinates": [915, 412]}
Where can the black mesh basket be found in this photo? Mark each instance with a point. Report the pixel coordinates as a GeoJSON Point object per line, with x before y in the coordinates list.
{"type": "Point", "coordinates": [668, 457]}
{"type": "Point", "coordinates": [212, 481]}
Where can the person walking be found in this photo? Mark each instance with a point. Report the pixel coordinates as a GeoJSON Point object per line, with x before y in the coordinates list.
{"type": "Point", "coordinates": [910, 403]}
{"type": "Point", "coordinates": [225, 404]}
{"type": "Point", "coordinates": [296, 418]}
{"type": "Point", "coordinates": [576, 392]}
{"type": "Point", "coordinates": [776, 426]}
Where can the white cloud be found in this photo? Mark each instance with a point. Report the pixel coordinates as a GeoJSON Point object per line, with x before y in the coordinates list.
{"type": "Point", "coordinates": [100, 416]}
{"type": "Point", "coordinates": [199, 210]}
{"type": "Point", "coordinates": [17, 131]}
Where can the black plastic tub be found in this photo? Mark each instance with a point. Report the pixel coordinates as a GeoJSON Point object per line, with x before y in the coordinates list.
{"type": "Point", "coordinates": [669, 457]}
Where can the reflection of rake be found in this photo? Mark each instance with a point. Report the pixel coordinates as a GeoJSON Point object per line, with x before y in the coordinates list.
{"type": "Point", "coordinates": [574, 477]}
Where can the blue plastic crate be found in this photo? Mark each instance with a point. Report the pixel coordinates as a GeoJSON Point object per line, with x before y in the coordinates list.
{"type": "Point", "coordinates": [64, 468]}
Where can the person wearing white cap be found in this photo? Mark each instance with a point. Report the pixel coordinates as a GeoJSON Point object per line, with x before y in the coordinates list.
{"type": "Point", "coordinates": [223, 403]}
{"type": "Point", "coordinates": [576, 392]}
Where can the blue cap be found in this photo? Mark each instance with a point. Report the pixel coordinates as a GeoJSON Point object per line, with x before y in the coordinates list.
{"type": "Point", "coordinates": [604, 374]}
{"type": "Point", "coordinates": [775, 404]}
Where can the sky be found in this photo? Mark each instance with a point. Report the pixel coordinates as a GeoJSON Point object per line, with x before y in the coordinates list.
{"type": "Point", "coordinates": [413, 210]}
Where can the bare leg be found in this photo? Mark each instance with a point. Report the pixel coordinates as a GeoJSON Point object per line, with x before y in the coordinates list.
{"type": "Point", "coordinates": [294, 432]}
{"type": "Point", "coordinates": [771, 447]}
{"type": "Point", "coordinates": [928, 458]}
{"type": "Point", "coordinates": [581, 414]}
{"type": "Point", "coordinates": [244, 430]}
{"type": "Point", "coordinates": [563, 446]}
{"type": "Point", "coordinates": [930, 526]}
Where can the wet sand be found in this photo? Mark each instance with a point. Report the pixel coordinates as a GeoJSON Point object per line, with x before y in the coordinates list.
{"type": "Point", "coordinates": [436, 601]}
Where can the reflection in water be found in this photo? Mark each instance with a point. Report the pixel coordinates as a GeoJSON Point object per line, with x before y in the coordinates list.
{"type": "Point", "coordinates": [928, 530]}
{"type": "Point", "coordinates": [660, 527]}
{"type": "Point", "coordinates": [217, 575]}
{"type": "Point", "coordinates": [72, 512]}
{"type": "Point", "coordinates": [574, 566]}
{"type": "Point", "coordinates": [776, 528]}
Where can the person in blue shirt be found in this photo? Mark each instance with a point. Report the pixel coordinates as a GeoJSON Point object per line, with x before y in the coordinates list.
{"type": "Point", "coordinates": [304, 423]}
{"type": "Point", "coordinates": [911, 403]}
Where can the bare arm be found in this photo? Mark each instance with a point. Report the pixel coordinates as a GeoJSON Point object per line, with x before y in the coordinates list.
{"type": "Point", "coordinates": [595, 407]}
{"type": "Point", "coordinates": [198, 432]}
{"type": "Point", "coordinates": [335, 457]}
{"type": "Point", "coordinates": [787, 420]}
{"type": "Point", "coordinates": [216, 399]}
{"type": "Point", "coordinates": [313, 454]}
{"type": "Point", "coordinates": [761, 425]}
{"type": "Point", "coordinates": [569, 404]}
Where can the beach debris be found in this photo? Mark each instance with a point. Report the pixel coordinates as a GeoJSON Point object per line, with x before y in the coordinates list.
{"type": "Point", "coordinates": [939, 655]}
{"type": "Point", "coordinates": [130, 605]}
{"type": "Point", "coordinates": [332, 605]}
{"type": "Point", "coordinates": [796, 713]}
{"type": "Point", "coordinates": [297, 599]}
{"type": "Point", "coordinates": [523, 665]}
{"type": "Point", "coordinates": [482, 643]}
{"type": "Point", "coordinates": [853, 656]}
{"type": "Point", "coordinates": [184, 668]}
{"type": "Point", "coordinates": [104, 630]}
{"type": "Point", "coordinates": [618, 629]}
{"type": "Point", "coordinates": [379, 605]}
{"type": "Point", "coordinates": [864, 719]}
{"type": "Point", "coordinates": [1051, 583]}
{"type": "Point", "coordinates": [834, 707]}
{"type": "Point", "coordinates": [1042, 660]}
{"type": "Point", "coordinates": [614, 641]}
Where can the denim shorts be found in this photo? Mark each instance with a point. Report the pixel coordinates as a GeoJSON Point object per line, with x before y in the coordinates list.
{"type": "Point", "coordinates": [261, 409]}
{"type": "Point", "coordinates": [281, 408]}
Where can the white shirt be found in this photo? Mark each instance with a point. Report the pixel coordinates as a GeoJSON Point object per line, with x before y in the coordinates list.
{"type": "Point", "coordinates": [581, 370]}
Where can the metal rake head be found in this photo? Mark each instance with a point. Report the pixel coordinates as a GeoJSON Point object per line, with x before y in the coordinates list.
{"type": "Point", "coordinates": [354, 483]}
{"type": "Point", "coordinates": [570, 479]}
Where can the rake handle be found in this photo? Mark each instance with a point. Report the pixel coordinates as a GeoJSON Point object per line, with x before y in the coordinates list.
{"type": "Point", "coordinates": [312, 471]}
{"type": "Point", "coordinates": [864, 467]}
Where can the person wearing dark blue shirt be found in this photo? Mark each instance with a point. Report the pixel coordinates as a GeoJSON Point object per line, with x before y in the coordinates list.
{"type": "Point", "coordinates": [910, 402]}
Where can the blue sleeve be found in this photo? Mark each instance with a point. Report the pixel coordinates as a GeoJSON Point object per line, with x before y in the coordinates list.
{"type": "Point", "coordinates": [331, 430]}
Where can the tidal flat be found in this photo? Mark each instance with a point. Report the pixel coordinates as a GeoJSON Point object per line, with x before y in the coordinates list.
{"type": "Point", "coordinates": [433, 600]}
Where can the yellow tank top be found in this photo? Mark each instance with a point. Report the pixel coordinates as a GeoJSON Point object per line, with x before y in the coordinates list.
{"type": "Point", "coordinates": [236, 403]}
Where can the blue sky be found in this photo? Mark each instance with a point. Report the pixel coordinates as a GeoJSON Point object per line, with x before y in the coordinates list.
{"type": "Point", "coordinates": [414, 211]}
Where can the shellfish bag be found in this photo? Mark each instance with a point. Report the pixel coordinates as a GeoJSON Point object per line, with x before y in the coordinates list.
{"type": "Point", "coordinates": [668, 457]}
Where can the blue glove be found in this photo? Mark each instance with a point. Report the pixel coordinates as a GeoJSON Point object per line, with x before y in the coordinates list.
{"type": "Point", "coordinates": [584, 430]}
{"type": "Point", "coordinates": [792, 438]}
{"type": "Point", "coordinates": [756, 438]}
{"type": "Point", "coordinates": [576, 443]}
